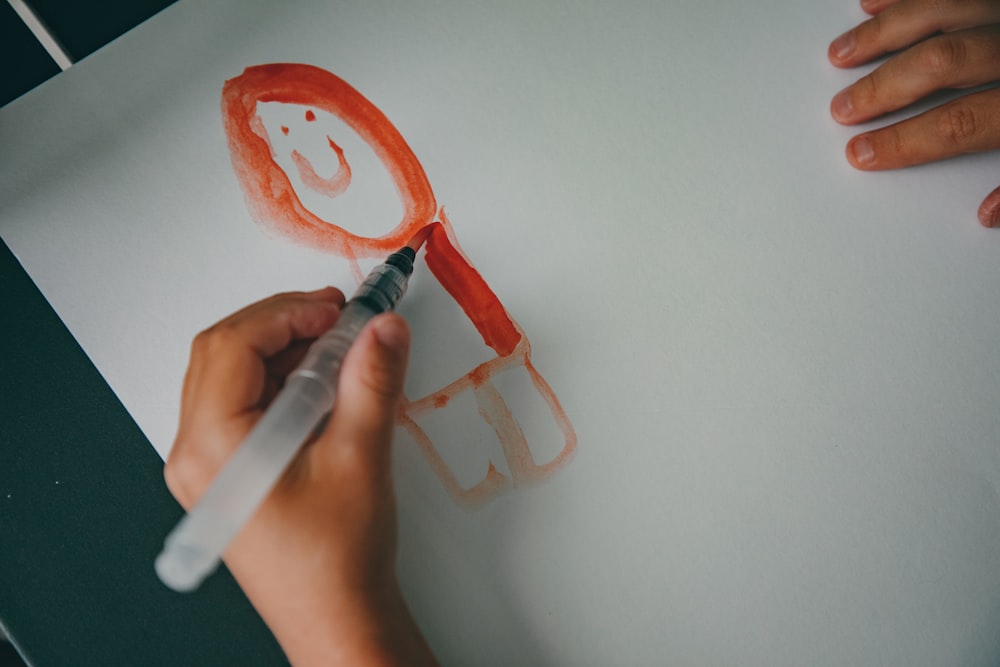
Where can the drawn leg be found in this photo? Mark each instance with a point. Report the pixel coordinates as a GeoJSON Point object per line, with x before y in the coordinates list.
{"type": "Point", "coordinates": [508, 401]}
{"type": "Point", "coordinates": [507, 393]}
{"type": "Point", "coordinates": [491, 485]}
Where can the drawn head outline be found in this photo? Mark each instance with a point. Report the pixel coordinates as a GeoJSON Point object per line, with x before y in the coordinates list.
{"type": "Point", "coordinates": [271, 197]}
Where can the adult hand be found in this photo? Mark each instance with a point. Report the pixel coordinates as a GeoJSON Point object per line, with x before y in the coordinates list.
{"type": "Point", "coordinates": [317, 560]}
{"type": "Point", "coordinates": [941, 44]}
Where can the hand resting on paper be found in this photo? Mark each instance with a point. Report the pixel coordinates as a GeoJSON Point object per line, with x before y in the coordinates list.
{"type": "Point", "coordinates": [318, 558]}
{"type": "Point", "coordinates": [938, 44]}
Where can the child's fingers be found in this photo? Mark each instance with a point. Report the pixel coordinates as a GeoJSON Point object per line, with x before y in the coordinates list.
{"type": "Point", "coordinates": [956, 60]}
{"type": "Point", "coordinates": [227, 369]}
{"type": "Point", "coordinates": [967, 125]}
{"type": "Point", "coordinates": [907, 22]}
{"type": "Point", "coordinates": [227, 378]}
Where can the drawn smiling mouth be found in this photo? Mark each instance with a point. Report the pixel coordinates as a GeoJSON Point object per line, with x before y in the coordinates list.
{"type": "Point", "coordinates": [334, 185]}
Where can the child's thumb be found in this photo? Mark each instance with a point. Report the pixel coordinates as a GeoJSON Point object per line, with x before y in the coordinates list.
{"type": "Point", "coordinates": [370, 388]}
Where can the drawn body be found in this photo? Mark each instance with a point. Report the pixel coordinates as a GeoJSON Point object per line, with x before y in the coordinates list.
{"type": "Point", "coordinates": [277, 178]}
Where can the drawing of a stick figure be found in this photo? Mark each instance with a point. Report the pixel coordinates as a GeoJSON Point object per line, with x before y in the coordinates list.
{"type": "Point", "coordinates": [319, 163]}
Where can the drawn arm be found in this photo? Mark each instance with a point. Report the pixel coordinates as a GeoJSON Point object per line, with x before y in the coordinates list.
{"type": "Point", "coordinates": [461, 280]}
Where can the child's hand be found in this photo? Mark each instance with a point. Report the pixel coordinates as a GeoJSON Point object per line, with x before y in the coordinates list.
{"type": "Point", "coordinates": [317, 559]}
{"type": "Point", "coordinates": [941, 44]}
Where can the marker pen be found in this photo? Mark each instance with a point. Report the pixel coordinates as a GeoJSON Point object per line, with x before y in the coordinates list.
{"type": "Point", "coordinates": [193, 549]}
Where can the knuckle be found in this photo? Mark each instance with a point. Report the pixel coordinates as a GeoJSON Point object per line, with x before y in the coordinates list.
{"type": "Point", "coordinates": [944, 55]}
{"type": "Point", "coordinates": [202, 341]}
{"type": "Point", "coordinates": [173, 477]}
{"type": "Point", "coordinates": [871, 30]}
{"type": "Point", "coordinates": [211, 339]}
{"type": "Point", "coordinates": [868, 89]}
{"type": "Point", "coordinates": [890, 145]}
{"type": "Point", "coordinates": [382, 381]}
{"type": "Point", "coordinates": [958, 125]}
{"type": "Point", "coordinates": [897, 141]}
{"type": "Point", "coordinates": [183, 476]}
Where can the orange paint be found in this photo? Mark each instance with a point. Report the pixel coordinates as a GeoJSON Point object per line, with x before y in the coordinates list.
{"type": "Point", "coordinates": [468, 288]}
{"type": "Point", "coordinates": [274, 203]}
{"type": "Point", "coordinates": [420, 237]}
{"type": "Point", "coordinates": [270, 194]}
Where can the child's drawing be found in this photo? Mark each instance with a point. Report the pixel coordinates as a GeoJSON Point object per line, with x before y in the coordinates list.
{"type": "Point", "coordinates": [321, 164]}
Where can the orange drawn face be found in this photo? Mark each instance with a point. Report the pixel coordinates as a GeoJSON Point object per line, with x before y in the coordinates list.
{"type": "Point", "coordinates": [320, 163]}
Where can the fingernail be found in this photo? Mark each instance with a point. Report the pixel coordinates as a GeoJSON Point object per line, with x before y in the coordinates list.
{"type": "Point", "coordinates": [991, 220]}
{"type": "Point", "coordinates": [843, 46]}
{"type": "Point", "coordinates": [989, 210]}
{"type": "Point", "coordinates": [863, 151]}
{"type": "Point", "coordinates": [391, 332]}
{"type": "Point", "coordinates": [841, 106]}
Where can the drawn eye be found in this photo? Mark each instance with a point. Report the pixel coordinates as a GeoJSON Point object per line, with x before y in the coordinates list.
{"type": "Point", "coordinates": [310, 116]}
{"type": "Point", "coordinates": [284, 130]}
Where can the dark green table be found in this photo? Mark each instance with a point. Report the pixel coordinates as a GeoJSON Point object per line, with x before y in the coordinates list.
{"type": "Point", "coordinates": [83, 507]}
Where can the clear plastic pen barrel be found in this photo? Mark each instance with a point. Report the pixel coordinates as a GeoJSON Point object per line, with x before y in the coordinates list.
{"type": "Point", "coordinates": [193, 550]}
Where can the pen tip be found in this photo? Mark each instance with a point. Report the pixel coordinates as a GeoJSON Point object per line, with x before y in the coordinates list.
{"type": "Point", "coordinates": [419, 238]}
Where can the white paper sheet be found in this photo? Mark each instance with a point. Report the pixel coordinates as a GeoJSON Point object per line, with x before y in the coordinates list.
{"type": "Point", "coordinates": [781, 372]}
